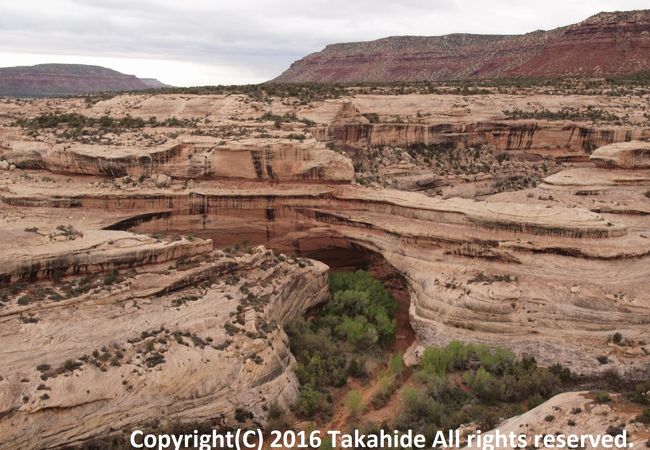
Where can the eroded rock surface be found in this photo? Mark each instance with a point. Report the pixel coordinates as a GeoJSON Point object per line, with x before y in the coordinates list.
{"type": "Point", "coordinates": [192, 339]}
{"type": "Point", "coordinates": [627, 155]}
{"type": "Point", "coordinates": [109, 232]}
{"type": "Point", "coordinates": [580, 414]}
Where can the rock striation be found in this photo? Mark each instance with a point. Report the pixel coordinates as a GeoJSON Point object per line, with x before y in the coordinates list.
{"type": "Point", "coordinates": [197, 341]}
{"type": "Point", "coordinates": [625, 155]}
{"type": "Point", "coordinates": [531, 276]}
{"type": "Point", "coordinates": [576, 413]}
{"type": "Point", "coordinates": [589, 48]}
{"type": "Point", "coordinates": [190, 159]}
{"type": "Point", "coordinates": [132, 290]}
{"type": "Point", "coordinates": [558, 139]}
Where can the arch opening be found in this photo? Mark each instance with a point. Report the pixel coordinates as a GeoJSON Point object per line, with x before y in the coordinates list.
{"type": "Point", "coordinates": [292, 237]}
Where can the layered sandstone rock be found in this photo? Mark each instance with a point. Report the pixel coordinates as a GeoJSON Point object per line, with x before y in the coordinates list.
{"type": "Point", "coordinates": [576, 413]}
{"type": "Point", "coordinates": [191, 158]}
{"type": "Point", "coordinates": [191, 340]}
{"type": "Point", "coordinates": [541, 279]}
{"type": "Point", "coordinates": [626, 155]}
{"type": "Point", "coordinates": [557, 139]}
{"type": "Point", "coordinates": [108, 238]}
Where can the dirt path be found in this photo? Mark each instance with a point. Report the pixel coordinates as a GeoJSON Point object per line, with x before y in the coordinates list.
{"type": "Point", "coordinates": [405, 336]}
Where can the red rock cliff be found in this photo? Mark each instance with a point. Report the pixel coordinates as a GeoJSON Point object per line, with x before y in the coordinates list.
{"type": "Point", "coordinates": [605, 44]}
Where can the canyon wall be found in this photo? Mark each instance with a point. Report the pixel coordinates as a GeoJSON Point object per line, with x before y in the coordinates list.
{"type": "Point", "coordinates": [536, 277]}
{"type": "Point", "coordinates": [187, 341]}
{"type": "Point", "coordinates": [560, 140]}
{"type": "Point", "coordinates": [188, 160]}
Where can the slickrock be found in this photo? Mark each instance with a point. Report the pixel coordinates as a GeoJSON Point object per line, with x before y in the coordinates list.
{"type": "Point", "coordinates": [494, 272]}
{"type": "Point", "coordinates": [109, 241]}
{"type": "Point", "coordinates": [580, 414]}
{"type": "Point", "coordinates": [166, 343]}
{"type": "Point", "coordinates": [628, 155]}
{"type": "Point", "coordinates": [474, 126]}
{"type": "Point", "coordinates": [29, 255]}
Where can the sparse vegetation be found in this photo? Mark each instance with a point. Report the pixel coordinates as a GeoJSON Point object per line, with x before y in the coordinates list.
{"type": "Point", "coordinates": [617, 338]}
{"type": "Point", "coordinates": [354, 403]}
{"type": "Point", "coordinates": [489, 279]}
{"type": "Point", "coordinates": [306, 93]}
{"type": "Point", "coordinates": [111, 278]}
{"type": "Point", "coordinates": [602, 397]}
{"type": "Point", "coordinates": [644, 417]}
{"type": "Point", "coordinates": [590, 113]}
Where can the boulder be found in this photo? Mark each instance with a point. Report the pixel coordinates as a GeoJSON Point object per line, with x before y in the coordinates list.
{"type": "Point", "coordinates": [161, 180]}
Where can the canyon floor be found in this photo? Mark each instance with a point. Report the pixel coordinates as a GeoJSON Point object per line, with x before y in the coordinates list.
{"type": "Point", "coordinates": [153, 245]}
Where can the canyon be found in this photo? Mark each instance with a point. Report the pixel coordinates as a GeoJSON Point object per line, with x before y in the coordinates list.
{"type": "Point", "coordinates": [148, 264]}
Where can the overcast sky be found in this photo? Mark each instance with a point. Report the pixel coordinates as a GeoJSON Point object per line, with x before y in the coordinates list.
{"type": "Point", "coordinates": [200, 42]}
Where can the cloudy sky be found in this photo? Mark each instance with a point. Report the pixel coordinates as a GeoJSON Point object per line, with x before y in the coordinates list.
{"type": "Point", "coordinates": [200, 42]}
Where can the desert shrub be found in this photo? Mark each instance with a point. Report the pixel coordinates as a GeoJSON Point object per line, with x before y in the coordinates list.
{"type": "Point", "coordinates": [320, 362]}
{"type": "Point", "coordinates": [70, 365]}
{"type": "Point", "coordinates": [523, 380]}
{"type": "Point", "coordinates": [296, 136]}
{"type": "Point", "coordinates": [242, 415]}
{"type": "Point", "coordinates": [154, 360]}
{"type": "Point", "coordinates": [309, 403]}
{"type": "Point", "coordinates": [356, 368]}
{"type": "Point", "coordinates": [641, 393]}
{"type": "Point", "coordinates": [356, 323]}
{"type": "Point", "coordinates": [602, 397]}
{"type": "Point", "coordinates": [563, 373]}
{"type": "Point", "coordinates": [614, 430]}
{"type": "Point", "coordinates": [396, 364]}
{"type": "Point", "coordinates": [111, 277]}
{"type": "Point", "coordinates": [567, 113]}
{"type": "Point", "coordinates": [277, 418]}
{"type": "Point", "coordinates": [486, 417]}
{"type": "Point", "coordinates": [456, 356]}
{"type": "Point", "coordinates": [535, 400]}
{"type": "Point", "coordinates": [420, 413]}
{"type": "Point", "coordinates": [354, 403]}
{"type": "Point", "coordinates": [386, 386]}
{"type": "Point", "coordinates": [494, 376]}
{"type": "Point", "coordinates": [485, 385]}
{"type": "Point", "coordinates": [644, 417]}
